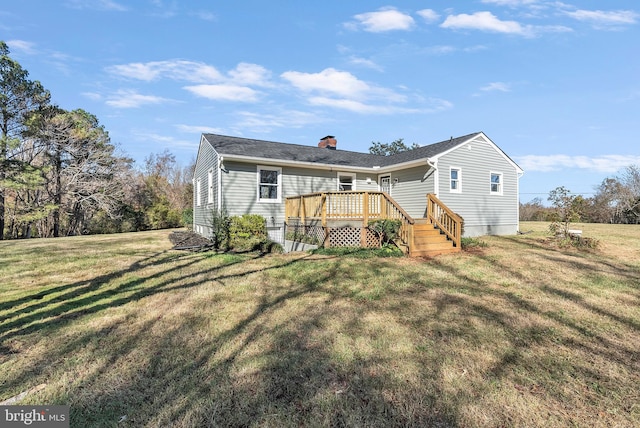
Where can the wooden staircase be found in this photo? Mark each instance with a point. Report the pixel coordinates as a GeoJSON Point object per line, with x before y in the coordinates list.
{"type": "Point", "coordinates": [429, 241]}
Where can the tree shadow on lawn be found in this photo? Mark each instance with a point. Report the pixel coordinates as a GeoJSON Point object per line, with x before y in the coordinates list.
{"type": "Point", "coordinates": [561, 328]}
{"type": "Point", "coordinates": [85, 298]}
{"type": "Point", "coordinates": [275, 370]}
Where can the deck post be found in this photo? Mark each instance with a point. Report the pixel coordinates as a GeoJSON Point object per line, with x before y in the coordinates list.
{"type": "Point", "coordinates": [323, 209]}
{"type": "Point", "coordinates": [302, 210]}
{"type": "Point", "coordinates": [365, 219]}
{"type": "Point", "coordinates": [383, 206]}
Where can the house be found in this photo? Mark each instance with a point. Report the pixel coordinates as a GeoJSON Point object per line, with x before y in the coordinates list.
{"type": "Point", "coordinates": [468, 176]}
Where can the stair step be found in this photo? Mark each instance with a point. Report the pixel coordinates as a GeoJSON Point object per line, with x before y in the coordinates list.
{"type": "Point", "coordinates": [433, 245]}
{"type": "Point", "coordinates": [430, 232]}
{"type": "Point", "coordinates": [425, 226]}
{"type": "Point", "coordinates": [432, 253]}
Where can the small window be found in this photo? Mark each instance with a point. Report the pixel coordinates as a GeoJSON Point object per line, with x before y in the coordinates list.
{"type": "Point", "coordinates": [210, 187]}
{"type": "Point", "coordinates": [269, 182]}
{"type": "Point", "coordinates": [346, 181]}
{"type": "Point", "coordinates": [496, 183]}
{"type": "Point", "coordinates": [198, 189]}
{"type": "Point", "coordinates": [455, 175]}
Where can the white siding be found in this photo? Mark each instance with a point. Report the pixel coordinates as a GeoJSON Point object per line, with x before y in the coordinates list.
{"type": "Point", "coordinates": [206, 160]}
{"type": "Point", "coordinates": [483, 212]}
{"type": "Point", "coordinates": [409, 188]}
{"type": "Point", "coordinates": [239, 191]}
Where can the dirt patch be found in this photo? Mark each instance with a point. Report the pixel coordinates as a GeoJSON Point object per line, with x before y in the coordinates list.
{"type": "Point", "coordinates": [190, 241]}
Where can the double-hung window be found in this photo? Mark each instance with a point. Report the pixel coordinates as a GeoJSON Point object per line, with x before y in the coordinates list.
{"type": "Point", "coordinates": [455, 175]}
{"type": "Point", "coordinates": [346, 181]}
{"type": "Point", "coordinates": [198, 192]}
{"type": "Point", "coordinates": [210, 186]}
{"type": "Point", "coordinates": [269, 184]}
{"type": "Point", "coordinates": [496, 183]}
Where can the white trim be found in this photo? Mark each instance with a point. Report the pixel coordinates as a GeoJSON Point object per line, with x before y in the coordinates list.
{"type": "Point", "coordinates": [458, 188]}
{"type": "Point", "coordinates": [219, 173]}
{"type": "Point", "coordinates": [199, 191]}
{"type": "Point", "coordinates": [481, 137]}
{"type": "Point", "coordinates": [436, 176]}
{"type": "Point", "coordinates": [346, 174]}
{"type": "Point", "coordinates": [278, 184]}
{"type": "Point", "coordinates": [380, 177]}
{"type": "Point", "coordinates": [210, 186]}
{"type": "Point", "coordinates": [500, 183]}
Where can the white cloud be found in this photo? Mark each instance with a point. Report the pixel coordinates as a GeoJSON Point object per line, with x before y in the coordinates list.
{"type": "Point", "coordinates": [601, 18]}
{"type": "Point", "coordinates": [96, 5]}
{"type": "Point", "coordinates": [259, 122]}
{"type": "Point", "coordinates": [437, 105]}
{"type": "Point", "coordinates": [191, 129]}
{"type": "Point", "coordinates": [600, 164]}
{"type": "Point", "coordinates": [379, 108]}
{"type": "Point", "coordinates": [365, 63]}
{"type": "Point", "coordinates": [224, 92]}
{"type": "Point", "coordinates": [351, 105]}
{"type": "Point", "coordinates": [342, 90]}
{"type": "Point", "coordinates": [250, 74]}
{"type": "Point", "coordinates": [484, 21]}
{"type": "Point", "coordinates": [429, 15]}
{"type": "Point", "coordinates": [386, 19]}
{"type": "Point", "coordinates": [92, 96]}
{"type": "Point", "coordinates": [511, 3]}
{"type": "Point", "coordinates": [496, 86]}
{"type": "Point", "coordinates": [166, 140]}
{"type": "Point", "coordinates": [132, 99]}
{"type": "Point", "coordinates": [328, 80]}
{"type": "Point", "coordinates": [176, 70]}
{"type": "Point", "coordinates": [21, 45]}
{"type": "Point", "coordinates": [206, 16]}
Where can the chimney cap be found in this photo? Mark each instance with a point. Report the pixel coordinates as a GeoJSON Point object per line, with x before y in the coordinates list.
{"type": "Point", "coordinates": [327, 137]}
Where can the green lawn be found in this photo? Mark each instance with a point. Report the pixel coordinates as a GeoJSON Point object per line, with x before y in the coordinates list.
{"type": "Point", "coordinates": [518, 333]}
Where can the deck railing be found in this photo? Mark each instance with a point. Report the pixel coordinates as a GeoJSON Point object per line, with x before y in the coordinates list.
{"type": "Point", "coordinates": [360, 205]}
{"type": "Point", "coordinates": [446, 220]}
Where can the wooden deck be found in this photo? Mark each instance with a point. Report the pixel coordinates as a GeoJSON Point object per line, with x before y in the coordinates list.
{"type": "Point", "coordinates": [437, 233]}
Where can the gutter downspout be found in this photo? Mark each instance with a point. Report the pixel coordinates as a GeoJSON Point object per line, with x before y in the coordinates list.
{"type": "Point", "coordinates": [436, 178]}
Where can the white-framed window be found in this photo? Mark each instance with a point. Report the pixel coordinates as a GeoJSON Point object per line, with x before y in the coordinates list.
{"type": "Point", "coordinates": [455, 180]}
{"type": "Point", "coordinates": [198, 191]}
{"type": "Point", "coordinates": [210, 186]}
{"type": "Point", "coordinates": [346, 181]}
{"type": "Point", "coordinates": [496, 183]}
{"type": "Point", "coordinates": [269, 184]}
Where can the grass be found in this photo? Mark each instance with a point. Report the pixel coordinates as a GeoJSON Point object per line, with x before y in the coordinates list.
{"type": "Point", "coordinates": [515, 333]}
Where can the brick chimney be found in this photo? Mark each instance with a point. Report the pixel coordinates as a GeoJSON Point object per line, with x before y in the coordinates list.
{"type": "Point", "coordinates": [328, 142]}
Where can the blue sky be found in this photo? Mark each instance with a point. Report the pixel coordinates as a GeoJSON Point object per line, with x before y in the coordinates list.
{"type": "Point", "coordinates": [555, 84]}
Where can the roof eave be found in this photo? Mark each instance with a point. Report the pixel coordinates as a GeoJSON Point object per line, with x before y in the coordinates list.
{"type": "Point", "coordinates": [314, 165]}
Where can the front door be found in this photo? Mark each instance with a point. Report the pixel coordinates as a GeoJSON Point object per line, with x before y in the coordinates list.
{"type": "Point", "coordinates": [385, 184]}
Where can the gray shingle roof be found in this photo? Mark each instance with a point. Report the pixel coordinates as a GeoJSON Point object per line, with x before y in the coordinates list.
{"type": "Point", "coordinates": [230, 146]}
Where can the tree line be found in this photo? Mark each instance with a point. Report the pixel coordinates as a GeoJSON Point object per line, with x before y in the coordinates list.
{"type": "Point", "coordinates": [615, 201]}
{"type": "Point", "coordinates": [60, 174]}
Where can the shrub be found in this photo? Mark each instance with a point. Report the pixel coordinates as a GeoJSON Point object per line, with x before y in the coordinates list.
{"type": "Point", "coordinates": [387, 250]}
{"type": "Point", "coordinates": [472, 243]}
{"type": "Point", "coordinates": [220, 222]}
{"type": "Point", "coordinates": [247, 232]}
{"type": "Point", "coordinates": [161, 215]}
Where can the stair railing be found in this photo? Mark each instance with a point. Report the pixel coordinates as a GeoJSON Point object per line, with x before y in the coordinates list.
{"type": "Point", "coordinates": [446, 220]}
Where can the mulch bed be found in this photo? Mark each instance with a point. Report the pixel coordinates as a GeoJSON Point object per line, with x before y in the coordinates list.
{"type": "Point", "coordinates": [189, 241]}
